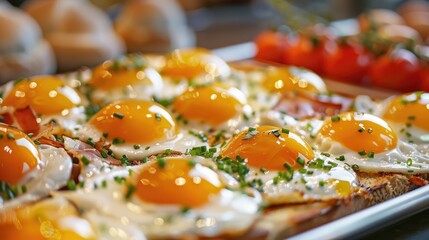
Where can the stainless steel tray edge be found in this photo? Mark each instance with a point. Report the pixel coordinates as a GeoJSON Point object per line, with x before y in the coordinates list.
{"type": "Point", "coordinates": [371, 219]}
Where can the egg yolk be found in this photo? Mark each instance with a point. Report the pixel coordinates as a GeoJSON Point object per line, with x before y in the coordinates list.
{"type": "Point", "coordinates": [269, 147]}
{"type": "Point", "coordinates": [177, 182]}
{"type": "Point", "coordinates": [44, 222]}
{"type": "Point", "coordinates": [410, 108]}
{"type": "Point", "coordinates": [281, 79]}
{"type": "Point", "coordinates": [135, 121]}
{"type": "Point", "coordinates": [190, 63]}
{"type": "Point", "coordinates": [212, 104]}
{"type": "Point", "coordinates": [45, 95]}
{"type": "Point", "coordinates": [18, 155]}
{"type": "Point", "coordinates": [114, 74]}
{"type": "Point", "coordinates": [360, 132]}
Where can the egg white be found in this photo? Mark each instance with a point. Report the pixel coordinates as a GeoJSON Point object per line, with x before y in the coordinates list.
{"type": "Point", "coordinates": [181, 143]}
{"type": "Point", "coordinates": [228, 212]}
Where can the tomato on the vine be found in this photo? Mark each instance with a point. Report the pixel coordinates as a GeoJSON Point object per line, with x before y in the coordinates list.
{"type": "Point", "coordinates": [271, 46]}
{"type": "Point", "coordinates": [306, 51]}
{"type": "Point", "coordinates": [346, 62]}
{"type": "Point", "coordinates": [424, 78]}
{"type": "Point", "coordinates": [398, 70]}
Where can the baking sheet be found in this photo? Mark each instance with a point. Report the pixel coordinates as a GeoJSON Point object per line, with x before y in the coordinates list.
{"type": "Point", "coordinates": [370, 219]}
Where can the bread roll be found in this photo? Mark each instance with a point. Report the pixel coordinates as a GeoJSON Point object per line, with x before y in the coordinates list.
{"type": "Point", "coordinates": [79, 33]}
{"type": "Point", "coordinates": [153, 26]}
{"type": "Point", "coordinates": [378, 18]}
{"type": "Point", "coordinates": [23, 52]}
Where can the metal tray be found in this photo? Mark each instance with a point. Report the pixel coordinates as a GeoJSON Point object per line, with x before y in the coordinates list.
{"type": "Point", "coordinates": [356, 225]}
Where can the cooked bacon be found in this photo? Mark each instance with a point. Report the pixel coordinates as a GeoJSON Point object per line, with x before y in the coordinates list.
{"type": "Point", "coordinates": [23, 118]}
{"type": "Point", "coordinates": [27, 120]}
{"type": "Point", "coordinates": [78, 149]}
{"type": "Point", "coordinates": [305, 105]}
{"type": "Point", "coordinates": [418, 181]}
{"type": "Point", "coordinates": [51, 142]}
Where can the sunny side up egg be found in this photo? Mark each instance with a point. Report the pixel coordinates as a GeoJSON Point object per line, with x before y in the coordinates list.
{"type": "Point", "coordinates": [212, 107]}
{"type": "Point", "coordinates": [49, 97]}
{"type": "Point", "coordinates": [29, 172]}
{"type": "Point", "coordinates": [137, 129]}
{"type": "Point", "coordinates": [48, 219]}
{"type": "Point", "coordinates": [184, 67]}
{"type": "Point", "coordinates": [172, 197]}
{"type": "Point", "coordinates": [285, 168]}
{"type": "Point", "coordinates": [368, 144]}
{"type": "Point", "coordinates": [127, 77]}
{"type": "Point", "coordinates": [264, 86]}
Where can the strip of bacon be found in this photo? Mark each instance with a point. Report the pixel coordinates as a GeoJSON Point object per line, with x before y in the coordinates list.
{"type": "Point", "coordinates": [305, 105]}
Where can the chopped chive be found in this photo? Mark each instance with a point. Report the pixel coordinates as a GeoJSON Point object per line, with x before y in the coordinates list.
{"type": "Point", "coordinates": [371, 154]}
{"type": "Point", "coordinates": [362, 152]}
{"type": "Point", "coordinates": [37, 142]}
{"type": "Point", "coordinates": [118, 141]}
{"type": "Point", "coordinates": [341, 158]}
{"type": "Point", "coordinates": [335, 118]}
{"type": "Point", "coordinates": [104, 184]}
{"type": "Point", "coordinates": [130, 190]}
{"type": "Point", "coordinates": [412, 117]}
{"type": "Point", "coordinates": [161, 162]}
{"type": "Point", "coordinates": [85, 160]}
{"type": "Point", "coordinates": [409, 162]}
{"type": "Point", "coordinates": [71, 185]}
{"type": "Point", "coordinates": [145, 160]}
{"type": "Point", "coordinates": [103, 154]}
{"type": "Point", "coordinates": [118, 115]}
{"type": "Point", "coordinates": [355, 167]}
{"type": "Point", "coordinates": [300, 161]}
{"type": "Point", "coordinates": [325, 154]}
{"type": "Point", "coordinates": [147, 148]}
{"type": "Point", "coordinates": [136, 146]}
{"type": "Point", "coordinates": [285, 130]}
{"type": "Point", "coordinates": [10, 136]}
{"type": "Point", "coordinates": [23, 188]}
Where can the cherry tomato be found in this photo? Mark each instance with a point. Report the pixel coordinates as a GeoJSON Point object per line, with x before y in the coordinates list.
{"type": "Point", "coordinates": [424, 78]}
{"type": "Point", "coordinates": [346, 62]}
{"type": "Point", "coordinates": [305, 51]}
{"type": "Point", "coordinates": [270, 46]}
{"type": "Point", "coordinates": [397, 70]}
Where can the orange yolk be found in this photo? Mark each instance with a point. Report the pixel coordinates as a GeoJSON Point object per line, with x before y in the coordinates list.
{"type": "Point", "coordinates": [410, 108]}
{"type": "Point", "coordinates": [189, 63]}
{"type": "Point", "coordinates": [135, 121]}
{"type": "Point", "coordinates": [111, 75]}
{"type": "Point", "coordinates": [360, 132]}
{"type": "Point", "coordinates": [267, 149]}
{"type": "Point", "coordinates": [42, 223]}
{"type": "Point", "coordinates": [177, 183]}
{"type": "Point", "coordinates": [45, 95]}
{"type": "Point", "coordinates": [213, 104]}
{"type": "Point", "coordinates": [18, 154]}
{"type": "Point", "coordinates": [280, 79]}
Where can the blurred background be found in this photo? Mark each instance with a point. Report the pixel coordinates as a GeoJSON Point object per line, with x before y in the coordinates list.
{"type": "Point", "coordinates": [218, 23]}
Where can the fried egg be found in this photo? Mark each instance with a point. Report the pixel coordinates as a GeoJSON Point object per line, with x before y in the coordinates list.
{"type": "Point", "coordinates": [29, 172]}
{"type": "Point", "coordinates": [264, 86]}
{"type": "Point", "coordinates": [127, 77]}
{"type": "Point", "coordinates": [137, 129]}
{"type": "Point", "coordinates": [285, 168]}
{"type": "Point", "coordinates": [368, 143]}
{"type": "Point", "coordinates": [50, 98]}
{"type": "Point", "coordinates": [48, 219]}
{"type": "Point", "coordinates": [214, 106]}
{"type": "Point", "coordinates": [173, 197]}
{"type": "Point", "coordinates": [196, 64]}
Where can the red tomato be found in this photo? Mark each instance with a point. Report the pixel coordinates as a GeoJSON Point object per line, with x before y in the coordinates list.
{"type": "Point", "coordinates": [270, 46]}
{"type": "Point", "coordinates": [346, 62]}
{"type": "Point", "coordinates": [398, 70]}
{"type": "Point", "coordinates": [305, 51]}
{"type": "Point", "coordinates": [424, 78]}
